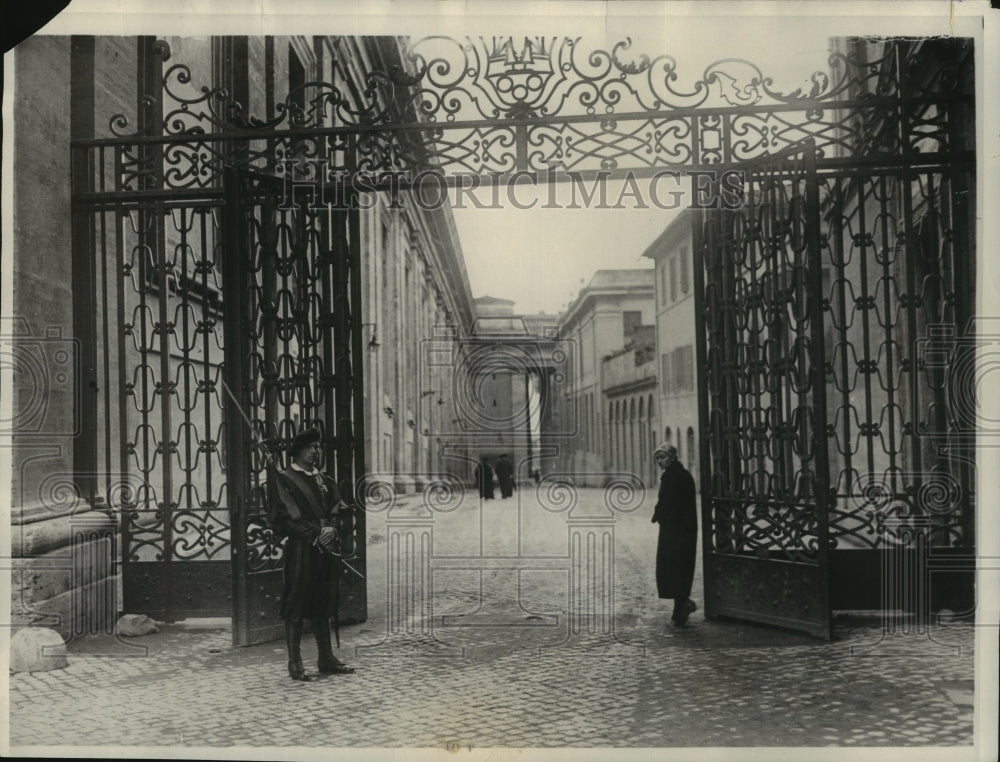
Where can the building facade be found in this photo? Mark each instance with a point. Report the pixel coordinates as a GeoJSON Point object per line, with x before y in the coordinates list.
{"type": "Point", "coordinates": [601, 321]}
{"type": "Point", "coordinates": [677, 400]}
{"type": "Point", "coordinates": [629, 383]}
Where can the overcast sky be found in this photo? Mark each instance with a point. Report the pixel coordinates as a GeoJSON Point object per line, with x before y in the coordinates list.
{"type": "Point", "coordinates": [540, 257]}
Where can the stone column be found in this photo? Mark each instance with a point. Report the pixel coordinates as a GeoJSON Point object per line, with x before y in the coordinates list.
{"type": "Point", "coordinates": [590, 530]}
{"type": "Point", "coordinates": [410, 545]}
{"type": "Point", "coordinates": [905, 590]}
{"type": "Point", "coordinates": [409, 629]}
{"type": "Point", "coordinates": [591, 576]}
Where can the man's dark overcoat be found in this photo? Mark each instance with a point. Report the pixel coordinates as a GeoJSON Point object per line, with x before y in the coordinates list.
{"type": "Point", "coordinates": [505, 476]}
{"type": "Point", "coordinates": [300, 510]}
{"type": "Point", "coordinates": [677, 514]}
{"type": "Point", "coordinates": [484, 477]}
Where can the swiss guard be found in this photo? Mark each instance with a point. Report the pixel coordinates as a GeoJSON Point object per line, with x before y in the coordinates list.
{"type": "Point", "coordinates": [306, 508]}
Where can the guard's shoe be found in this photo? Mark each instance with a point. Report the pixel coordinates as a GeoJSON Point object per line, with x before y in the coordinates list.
{"type": "Point", "coordinates": [299, 675]}
{"type": "Point", "coordinates": [335, 667]}
{"type": "Point", "coordinates": [293, 640]}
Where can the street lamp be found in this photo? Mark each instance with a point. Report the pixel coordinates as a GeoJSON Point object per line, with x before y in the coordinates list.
{"type": "Point", "coordinates": [373, 343]}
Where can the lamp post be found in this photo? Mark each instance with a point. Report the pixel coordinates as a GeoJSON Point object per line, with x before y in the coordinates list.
{"type": "Point", "coordinates": [373, 342]}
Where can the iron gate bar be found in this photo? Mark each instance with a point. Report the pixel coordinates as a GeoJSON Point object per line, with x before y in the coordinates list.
{"type": "Point", "coordinates": [168, 450]}
{"type": "Point", "coordinates": [240, 135]}
{"type": "Point", "coordinates": [84, 286]}
{"type": "Point", "coordinates": [729, 149]}
{"type": "Point", "coordinates": [134, 199]}
{"type": "Point", "coordinates": [821, 460]}
{"type": "Point", "coordinates": [208, 197]}
{"type": "Point", "coordinates": [235, 289]}
{"type": "Point", "coordinates": [908, 244]}
{"type": "Point", "coordinates": [826, 168]}
{"type": "Point", "coordinates": [127, 499]}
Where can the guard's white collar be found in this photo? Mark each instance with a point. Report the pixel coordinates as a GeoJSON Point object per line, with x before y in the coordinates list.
{"type": "Point", "coordinates": [297, 467]}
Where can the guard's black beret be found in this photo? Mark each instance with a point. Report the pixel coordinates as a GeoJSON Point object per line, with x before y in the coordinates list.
{"type": "Point", "coordinates": [302, 440]}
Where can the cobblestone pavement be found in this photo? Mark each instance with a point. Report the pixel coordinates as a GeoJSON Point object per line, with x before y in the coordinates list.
{"type": "Point", "coordinates": [494, 663]}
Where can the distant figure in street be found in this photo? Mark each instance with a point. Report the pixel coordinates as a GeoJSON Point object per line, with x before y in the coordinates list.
{"type": "Point", "coordinates": [676, 546]}
{"type": "Point", "coordinates": [306, 508]}
{"type": "Point", "coordinates": [505, 476]}
{"type": "Point", "coordinates": [484, 476]}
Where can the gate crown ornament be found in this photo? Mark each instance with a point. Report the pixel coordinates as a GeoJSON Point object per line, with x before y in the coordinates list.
{"type": "Point", "coordinates": [492, 78]}
{"type": "Point", "coordinates": [498, 105]}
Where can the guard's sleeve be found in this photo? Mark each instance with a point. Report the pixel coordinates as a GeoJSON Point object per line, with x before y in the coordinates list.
{"type": "Point", "coordinates": [333, 503]}
{"type": "Point", "coordinates": [335, 497]}
{"type": "Point", "coordinates": [304, 528]}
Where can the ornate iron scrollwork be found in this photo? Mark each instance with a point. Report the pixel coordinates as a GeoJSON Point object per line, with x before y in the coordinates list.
{"type": "Point", "coordinates": [482, 105]}
{"type": "Point", "coordinates": [446, 79]}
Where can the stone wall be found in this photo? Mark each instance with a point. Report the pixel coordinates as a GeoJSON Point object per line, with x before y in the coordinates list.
{"type": "Point", "coordinates": [63, 549]}
{"type": "Point", "coordinates": [42, 317]}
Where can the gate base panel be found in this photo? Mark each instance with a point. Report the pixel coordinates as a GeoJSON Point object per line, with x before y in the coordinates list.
{"type": "Point", "coordinates": [771, 592]}
{"type": "Point", "coordinates": [859, 578]}
{"type": "Point", "coordinates": [198, 589]}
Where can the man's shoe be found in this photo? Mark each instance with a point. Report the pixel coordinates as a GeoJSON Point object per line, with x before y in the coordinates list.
{"type": "Point", "coordinates": [329, 664]}
{"type": "Point", "coordinates": [680, 618]}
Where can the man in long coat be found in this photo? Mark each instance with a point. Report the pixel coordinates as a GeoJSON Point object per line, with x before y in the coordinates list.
{"type": "Point", "coordinates": [677, 515]}
{"type": "Point", "coordinates": [505, 476]}
{"type": "Point", "coordinates": [484, 478]}
{"type": "Point", "coordinates": [306, 509]}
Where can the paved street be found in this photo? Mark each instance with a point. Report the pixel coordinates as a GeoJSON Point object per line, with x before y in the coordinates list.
{"type": "Point", "coordinates": [492, 660]}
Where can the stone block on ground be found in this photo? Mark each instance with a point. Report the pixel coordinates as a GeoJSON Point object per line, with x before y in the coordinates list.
{"type": "Point", "coordinates": [134, 625]}
{"type": "Point", "coordinates": [37, 649]}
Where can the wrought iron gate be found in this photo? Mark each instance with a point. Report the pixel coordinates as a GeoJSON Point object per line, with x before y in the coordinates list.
{"type": "Point", "coordinates": [291, 292]}
{"type": "Point", "coordinates": [154, 350]}
{"type": "Point", "coordinates": [193, 290]}
{"type": "Point", "coordinates": [796, 307]}
{"type": "Point", "coordinates": [835, 325]}
{"type": "Point", "coordinates": [762, 405]}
